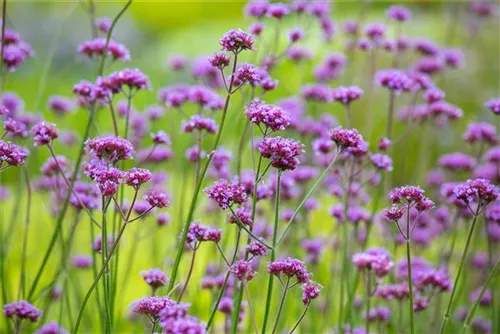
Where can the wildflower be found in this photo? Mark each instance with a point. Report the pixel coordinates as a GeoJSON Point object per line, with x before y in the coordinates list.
{"type": "Point", "coordinates": [347, 139]}
{"type": "Point", "coordinates": [377, 260]}
{"type": "Point", "coordinates": [243, 270]}
{"type": "Point", "coordinates": [381, 161]}
{"type": "Point", "coordinates": [257, 9]}
{"type": "Point", "coordinates": [200, 123]}
{"type": "Point", "coordinates": [44, 133]}
{"type": "Point", "coordinates": [398, 13]}
{"type": "Point", "coordinates": [22, 310]}
{"type": "Point", "coordinates": [318, 93]}
{"type": "Point", "coordinates": [346, 95]}
{"type": "Point", "coordinates": [493, 105]}
{"type": "Point", "coordinates": [152, 306]}
{"type": "Point", "coordinates": [243, 216]}
{"type": "Point", "coordinates": [295, 35]}
{"type": "Point", "coordinates": [200, 233]}
{"type": "Point", "coordinates": [110, 148]}
{"type": "Point", "coordinates": [375, 31]}
{"type": "Point", "coordinates": [82, 261]}
{"type": "Point", "coordinates": [157, 199]}
{"type": "Point", "coordinates": [256, 28]}
{"type": "Point", "coordinates": [154, 277]}
{"type": "Point", "coordinates": [480, 191]}
{"type": "Point", "coordinates": [60, 104]}
{"type": "Point", "coordinates": [136, 177]}
{"type": "Point", "coordinates": [12, 154]}
{"type": "Point", "coordinates": [394, 80]}
{"type": "Point", "coordinates": [160, 138]}
{"type": "Point", "coordinates": [103, 24]}
{"type": "Point", "coordinates": [256, 248]}
{"type": "Point", "coordinates": [271, 116]}
{"type": "Point", "coordinates": [310, 291]}
{"type": "Point", "coordinates": [396, 291]}
{"type": "Point", "coordinates": [226, 194]}
{"type": "Point", "coordinates": [236, 41]}
{"type": "Point", "coordinates": [247, 73]}
{"type": "Point", "coordinates": [480, 132]}
{"type": "Point", "coordinates": [278, 10]}
{"type": "Point", "coordinates": [97, 47]}
{"type": "Point", "coordinates": [133, 79]}
{"type": "Point", "coordinates": [51, 328]}
{"type": "Point", "coordinates": [283, 152]}
{"type": "Point", "coordinates": [433, 94]}
{"type": "Point", "coordinates": [457, 161]}
{"type": "Point", "coordinates": [54, 166]}
{"type": "Point", "coordinates": [290, 267]}
{"type": "Point", "coordinates": [219, 60]}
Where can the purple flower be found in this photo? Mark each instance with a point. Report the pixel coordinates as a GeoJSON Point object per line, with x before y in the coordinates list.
{"type": "Point", "coordinates": [346, 95]}
{"type": "Point", "coordinates": [480, 325]}
{"type": "Point", "coordinates": [103, 24]}
{"type": "Point", "coordinates": [247, 73]}
{"type": "Point", "coordinates": [51, 328]}
{"type": "Point", "coordinates": [200, 123]}
{"type": "Point", "coordinates": [283, 152]}
{"type": "Point", "coordinates": [398, 13]}
{"type": "Point", "coordinates": [395, 80]}
{"type": "Point", "coordinates": [384, 144]}
{"type": "Point", "coordinates": [162, 218]}
{"type": "Point", "coordinates": [157, 198]}
{"type": "Point", "coordinates": [110, 148]}
{"type": "Point", "coordinates": [97, 47]}
{"type": "Point", "coordinates": [375, 31]}
{"type": "Point", "coordinates": [477, 190]}
{"type": "Point", "coordinates": [278, 10]}
{"type": "Point", "coordinates": [60, 104]}
{"type": "Point", "coordinates": [151, 306]}
{"type": "Point", "coordinates": [453, 57]}
{"type": "Point", "coordinates": [82, 261]}
{"type": "Point", "coordinates": [12, 154]}
{"type": "Point", "coordinates": [219, 60]}
{"type": "Point", "coordinates": [236, 41]}
{"type": "Point", "coordinates": [295, 35]}
{"type": "Point", "coordinates": [161, 138]}
{"type": "Point", "coordinates": [256, 28]}
{"type": "Point", "coordinates": [136, 177]}
{"type": "Point", "coordinates": [243, 270]}
{"type": "Point", "coordinates": [226, 194]}
{"type": "Point", "coordinates": [346, 139]}
{"type": "Point", "coordinates": [377, 260]}
{"type": "Point", "coordinates": [256, 8]}
{"type": "Point", "coordinates": [51, 166]}
{"type": "Point", "coordinates": [200, 233]}
{"type": "Point", "coordinates": [457, 161]}
{"type": "Point", "coordinates": [271, 116]}
{"type": "Point", "coordinates": [132, 79]}
{"type": "Point", "coordinates": [381, 161]}
{"type": "Point", "coordinates": [410, 194]}
{"type": "Point", "coordinates": [154, 277]}
{"type": "Point", "coordinates": [426, 47]}
{"type": "Point", "coordinates": [243, 215]}
{"type": "Point", "coordinates": [481, 132]}
{"type": "Point", "coordinates": [485, 300]}
{"type": "Point", "coordinates": [291, 268]}
{"type": "Point", "coordinates": [318, 93]}
{"type": "Point", "coordinates": [397, 291]}
{"type": "Point", "coordinates": [432, 279]}
{"type": "Point", "coordinates": [22, 310]}
{"type": "Point", "coordinates": [493, 105]}
{"type": "Point", "coordinates": [256, 248]}
{"type": "Point", "coordinates": [177, 62]}
{"type": "Point", "coordinates": [434, 94]}
{"type": "Point", "coordinates": [44, 133]}
{"type": "Point", "coordinates": [310, 291]}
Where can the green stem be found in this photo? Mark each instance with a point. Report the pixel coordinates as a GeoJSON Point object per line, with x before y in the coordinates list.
{"type": "Point", "coordinates": [410, 285]}
{"type": "Point", "coordinates": [367, 296]}
{"type": "Point", "coordinates": [282, 302]}
{"type": "Point", "coordinates": [457, 277]}
{"type": "Point", "coordinates": [300, 319]}
{"type": "Point", "coordinates": [306, 197]}
{"type": "Point", "coordinates": [273, 253]}
{"type": "Point", "coordinates": [194, 199]}
{"type": "Point", "coordinates": [190, 272]}
{"type": "Point", "coordinates": [22, 280]}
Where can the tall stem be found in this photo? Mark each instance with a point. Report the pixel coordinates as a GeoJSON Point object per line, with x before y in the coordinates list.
{"type": "Point", "coordinates": [252, 315]}
{"type": "Point", "coordinates": [459, 273]}
{"type": "Point", "coordinates": [194, 199]}
{"type": "Point", "coordinates": [473, 310]}
{"type": "Point", "coordinates": [22, 280]}
{"type": "Point", "coordinates": [273, 253]}
{"type": "Point", "coordinates": [300, 319]}
{"type": "Point", "coordinates": [367, 296]}
{"type": "Point", "coordinates": [2, 70]}
{"type": "Point", "coordinates": [390, 115]}
{"type": "Point", "coordinates": [282, 302]}
{"type": "Point", "coordinates": [190, 272]}
{"type": "Point", "coordinates": [410, 277]}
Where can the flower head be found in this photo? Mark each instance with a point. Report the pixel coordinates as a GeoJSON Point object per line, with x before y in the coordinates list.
{"type": "Point", "coordinates": [290, 267]}
{"type": "Point", "coordinates": [157, 198]}
{"type": "Point", "coordinates": [271, 116]}
{"type": "Point", "coordinates": [310, 291]}
{"type": "Point", "coordinates": [243, 270]}
{"type": "Point", "coordinates": [154, 277]}
{"type": "Point", "coordinates": [110, 148]}
{"type": "Point", "coordinates": [11, 154]}
{"type": "Point", "coordinates": [236, 41]}
{"type": "Point", "coordinates": [44, 133]}
{"type": "Point", "coordinates": [283, 152]}
{"type": "Point", "coordinates": [346, 95]}
{"type": "Point", "coordinates": [395, 80]}
{"type": "Point", "coordinates": [152, 306]}
{"type": "Point", "coordinates": [226, 194]}
{"type": "Point", "coordinates": [22, 310]}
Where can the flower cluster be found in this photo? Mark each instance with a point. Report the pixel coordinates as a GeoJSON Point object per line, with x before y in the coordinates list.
{"type": "Point", "coordinates": [154, 277]}
{"type": "Point", "coordinates": [283, 152]}
{"type": "Point", "coordinates": [376, 260]}
{"type": "Point", "coordinates": [22, 310]}
{"type": "Point", "coordinates": [289, 267]}
{"type": "Point", "coordinates": [226, 194]}
{"type": "Point", "coordinates": [201, 233]}
{"type": "Point", "coordinates": [272, 117]}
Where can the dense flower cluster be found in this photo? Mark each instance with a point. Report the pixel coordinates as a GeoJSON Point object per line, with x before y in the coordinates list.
{"type": "Point", "coordinates": [22, 310]}
{"type": "Point", "coordinates": [283, 152]}
{"type": "Point", "coordinates": [154, 277]}
{"type": "Point", "coordinates": [273, 117]}
{"type": "Point", "coordinates": [289, 267]}
{"type": "Point", "coordinates": [377, 260]}
{"type": "Point", "coordinates": [226, 194]}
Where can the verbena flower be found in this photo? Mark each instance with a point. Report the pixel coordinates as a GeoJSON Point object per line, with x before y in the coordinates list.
{"type": "Point", "coordinates": [481, 132]}
{"type": "Point", "coordinates": [21, 310]}
{"type": "Point", "coordinates": [11, 154]}
{"type": "Point", "coordinates": [135, 177]}
{"type": "Point", "coordinates": [289, 267]}
{"type": "Point", "coordinates": [44, 133]}
{"type": "Point", "coordinates": [346, 95]}
{"type": "Point", "coordinates": [478, 191]}
{"type": "Point", "coordinates": [377, 260]}
{"type": "Point", "coordinates": [226, 194]}
{"type": "Point", "coordinates": [243, 270]}
{"type": "Point", "coordinates": [283, 152]}
{"type": "Point", "coordinates": [82, 261]}
{"type": "Point", "coordinates": [381, 161]}
{"type": "Point", "coordinates": [493, 105]}
{"type": "Point", "coordinates": [256, 248]}
{"type": "Point", "coordinates": [236, 41]}
{"type": "Point", "coordinates": [200, 123]}
{"type": "Point", "coordinates": [457, 161]}
{"type": "Point", "coordinates": [310, 291]}
{"type": "Point", "coordinates": [110, 148]}
{"type": "Point", "coordinates": [51, 328]}
{"type": "Point", "coordinates": [398, 13]}
{"type": "Point", "coordinates": [60, 105]}
{"type": "Point", "coordinates": [154, 277]}
{"type": "Point", "coordinates": [103, 24]}
{"type": "Point", "coordinates": [273, 117]}
{"type": "Point", "coordinates": [395, 80]}
{"type": "Point", "coordinates": [97, 47]}
{"type": "Point", "coordinates": [157, 198]}
{"type": "Point", "coordinates": [200, 233]}
{"type": "Point", "coordinates": [151, 306]}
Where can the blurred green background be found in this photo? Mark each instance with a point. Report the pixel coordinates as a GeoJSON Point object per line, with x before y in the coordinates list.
{"type": "Point", "coordinates": [155, 30]}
